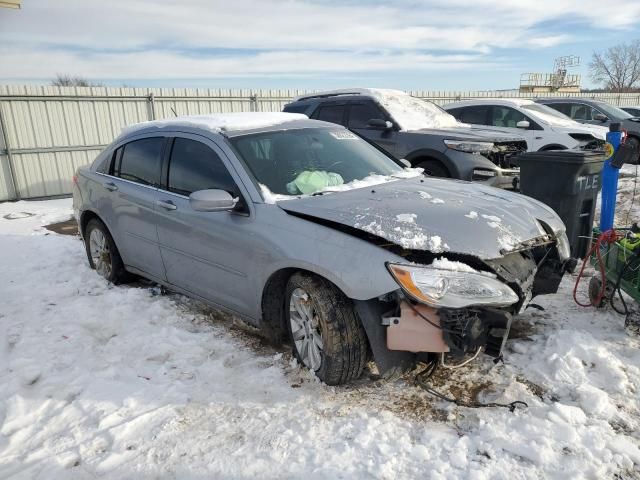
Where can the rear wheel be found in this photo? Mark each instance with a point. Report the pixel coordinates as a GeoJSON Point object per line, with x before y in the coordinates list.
{"type": "Point", "coordinates": [326, 333]}
{"type": "Point", "coordinates": [102, 252]}
{"type": "Point", "coordinates": [434, 168]}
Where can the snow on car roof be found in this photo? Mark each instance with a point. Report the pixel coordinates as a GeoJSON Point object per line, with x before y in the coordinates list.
{"type": "Point", "coordinates": [410, 113]}
{"type": "Point", "coordinates": [493, 101]}
{"type": "Point", "coordinates": [220, 122]}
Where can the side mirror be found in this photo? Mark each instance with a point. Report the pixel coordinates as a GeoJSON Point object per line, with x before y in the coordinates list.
{"type": "Point", "coordinates": [212, 201]}
{"type": "Point", "coordinates": [600, 117]}
{"type": "Point", "coordinates": [523, 124]}
{"type": "Point", "coordinates": [405, 162]}
{"type": "Point", "coordinates": [379, 123]}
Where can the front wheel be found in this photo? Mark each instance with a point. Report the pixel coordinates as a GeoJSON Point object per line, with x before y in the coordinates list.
{"type": "Point", "coordinates": [102, 252]}
{"type": "Point", "coordinates": [326, 333]}
{"type": "Point", "coordinates": [434, 168]}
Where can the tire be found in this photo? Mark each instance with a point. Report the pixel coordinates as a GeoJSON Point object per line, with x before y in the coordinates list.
{"type": "Point", "coordinates": [595, 287]}
{"type": "Point", "coordinates": [635, 143]}
{"type": "Point", "coordinates": [548, 148]}
{"type": "Point", "coordinates": [102, 252]}
{"type": "Point", "coordinates": [321, 319]}
{"type": "Point", "coordinates": [434, 168]}
{"type": "Point", "coordinates": [632, 323]}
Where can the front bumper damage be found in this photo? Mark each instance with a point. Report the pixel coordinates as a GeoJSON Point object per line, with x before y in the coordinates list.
{"type": "Point", "coordinates": [506, 173]}
{"type": "Point", "coordinates": [401, 329]}
{"type": "Point", "coordinates": [420, 328]}
{"type": "Point", "coordinates": [508, 178]}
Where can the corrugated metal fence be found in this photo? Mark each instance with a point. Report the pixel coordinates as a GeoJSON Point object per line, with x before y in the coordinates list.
{"type": "Point", "coordinates": [47, 132]}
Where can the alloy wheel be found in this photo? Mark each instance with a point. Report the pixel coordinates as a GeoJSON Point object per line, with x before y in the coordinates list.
{"type": "Point", "coordinates": [305, 329]}
{"type": "Point", "coordinates": [100, 253]}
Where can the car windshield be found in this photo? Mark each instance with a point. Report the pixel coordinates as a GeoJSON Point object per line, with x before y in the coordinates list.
{"type": "Point", "coordinates": [312, 160]}
{"type": "Point", "coordinates": [614, 112]}
{"type": "Point", "coordinates": [548, 115]}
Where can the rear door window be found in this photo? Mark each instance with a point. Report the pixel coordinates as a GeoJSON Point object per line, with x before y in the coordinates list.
{"type": "Point", "coordinates": [475, 115]}
{"type": "Point", "coordinates": [361, 113]}
{"type": "Point", "coordinates": [140, 161]}
{"type": "Point", "coordinates": [331, 113]}
{"type": "Point", "coordinates": [195, 166]}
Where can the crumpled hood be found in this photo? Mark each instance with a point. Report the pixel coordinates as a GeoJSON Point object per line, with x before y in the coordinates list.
{"type": "Point", "coordinates": [435, 215]}
{"type": "Point", "coordinates": [477, 134]}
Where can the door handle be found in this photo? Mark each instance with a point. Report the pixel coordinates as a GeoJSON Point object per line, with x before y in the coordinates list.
{"type": "Point", "coordinates": [166, 204]}
{"type": "Point", "coordinates": [112, 187]}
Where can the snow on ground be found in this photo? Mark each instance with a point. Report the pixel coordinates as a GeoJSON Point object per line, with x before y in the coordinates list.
{"type": "Point", "coordinates": [119, 382]}
{"type": "Point", "coordinates": [26, 218]}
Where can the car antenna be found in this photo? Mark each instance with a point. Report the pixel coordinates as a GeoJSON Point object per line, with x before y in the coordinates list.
{"type": "Point", "coordinates": [174, 112]}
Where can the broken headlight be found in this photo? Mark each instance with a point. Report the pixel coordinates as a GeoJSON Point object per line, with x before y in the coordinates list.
{"type": "Point", "coordinates": [452, 289]}
{"type": "Point", "coordinates": [469, 146]}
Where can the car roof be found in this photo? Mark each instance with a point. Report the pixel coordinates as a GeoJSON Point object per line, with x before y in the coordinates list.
{"type": "Point", "coordinates": [359, 91]}
{"type": "Point", "coordinates": [509, 102]}
{"type": "Point", "coordinates": [229, 124]}
{"type": "Point", "coordinates": [570, 99]}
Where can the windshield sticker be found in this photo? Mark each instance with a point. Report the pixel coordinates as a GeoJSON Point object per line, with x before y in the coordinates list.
{"type": "Point", "coordinates": [343, 135]}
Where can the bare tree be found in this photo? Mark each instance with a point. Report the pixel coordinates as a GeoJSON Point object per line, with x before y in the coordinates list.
{"type": "Point", "coordinates": [71, 81]}
{"type": "Point", "coordinates": [618, 68]}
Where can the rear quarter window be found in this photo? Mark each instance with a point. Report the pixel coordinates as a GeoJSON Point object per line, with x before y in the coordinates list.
{"type": "Point", "coordinates": [103, 162]}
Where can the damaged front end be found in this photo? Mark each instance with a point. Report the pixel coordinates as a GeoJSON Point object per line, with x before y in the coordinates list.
{"type": "Point", "coordinates": [465, 259]}
{"type": "Point", "coordinates": [458, 309]}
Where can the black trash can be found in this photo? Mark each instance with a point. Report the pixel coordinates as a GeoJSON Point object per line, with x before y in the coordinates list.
{"type": "Point", "coordinates": [568, 181]}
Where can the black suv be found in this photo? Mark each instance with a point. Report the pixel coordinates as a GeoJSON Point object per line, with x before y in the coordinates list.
{"type": "Point", "coordinates": [420, 132]}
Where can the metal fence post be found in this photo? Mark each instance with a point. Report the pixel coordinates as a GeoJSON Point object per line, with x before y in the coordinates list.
{"type": "Point", "coordinates": [5, 138]}
{"type": "Point", "coordinates": [152, 106]}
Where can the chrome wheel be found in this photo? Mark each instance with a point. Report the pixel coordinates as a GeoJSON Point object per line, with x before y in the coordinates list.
{"type": "Point", "coordinates": [305, 329]}
{"type": "Point", "coordinates": [100, 252]}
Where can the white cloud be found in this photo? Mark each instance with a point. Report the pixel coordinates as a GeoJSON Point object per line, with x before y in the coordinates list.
{"type": "Point", "coordinates": [296, 36]}
{"type": "Point", "coordinates": [162, 64]}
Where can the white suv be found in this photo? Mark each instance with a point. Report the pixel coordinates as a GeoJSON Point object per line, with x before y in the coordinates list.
{"type": "Point", "coordinates": [543, 127]}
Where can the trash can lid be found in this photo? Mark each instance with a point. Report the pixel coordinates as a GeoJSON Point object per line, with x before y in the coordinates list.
{"type": "Point", "coordinates": [564, 156]}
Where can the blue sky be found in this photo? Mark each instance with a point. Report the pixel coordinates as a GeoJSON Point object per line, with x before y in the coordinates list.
{"type": "Point", "coordinates": [406, 44]}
